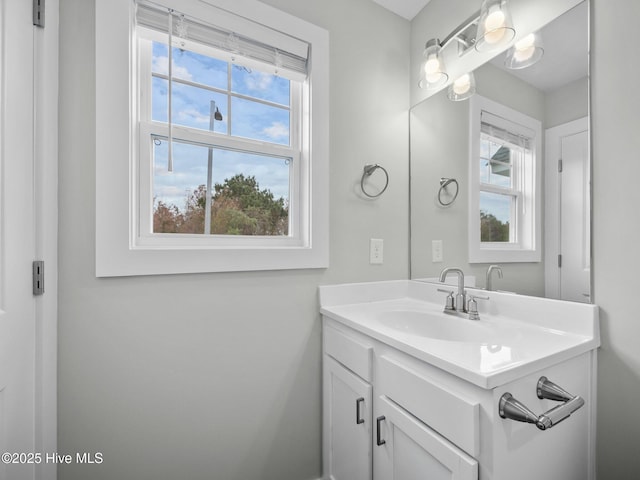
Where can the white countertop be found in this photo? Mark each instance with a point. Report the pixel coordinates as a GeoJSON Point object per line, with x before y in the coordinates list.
{"type": "Point", "coordinates": [516, 334]}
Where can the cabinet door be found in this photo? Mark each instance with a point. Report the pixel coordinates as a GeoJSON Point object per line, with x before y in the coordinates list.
{"type": "Point", "coordinates": [407, 449]}
{"type": "Point", "coordinates": [347, 424]}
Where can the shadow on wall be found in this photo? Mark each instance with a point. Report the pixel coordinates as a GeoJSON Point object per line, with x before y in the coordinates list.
{"type": "Point", "coordinates": [615, 370]}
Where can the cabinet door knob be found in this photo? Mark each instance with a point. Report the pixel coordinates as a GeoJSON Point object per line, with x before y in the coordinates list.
{"type": "Point", "coordinates": [358, 419]}
{"type": "Point", "coordinates": [379, 441]}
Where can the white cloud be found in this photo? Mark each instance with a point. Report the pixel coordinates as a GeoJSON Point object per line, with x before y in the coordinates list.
{"type": "Point", "coordinates": [193, 114]}
{"type": "Point", "coordinates": [161, 65]}
{"type": "Point", "coordinates": [276, 130]}
{"type": "Point", "coordinates": [259, 81]}
{"type": "Point", "coordinates": [164, 191]}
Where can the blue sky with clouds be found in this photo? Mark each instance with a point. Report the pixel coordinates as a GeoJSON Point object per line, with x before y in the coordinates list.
{"type": "Point", "coordinates": [191, 106]}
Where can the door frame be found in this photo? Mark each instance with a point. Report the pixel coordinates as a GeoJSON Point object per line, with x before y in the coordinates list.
{"type": "Point", "coordinates": [552, 199]}
{"type": "Point", "coordinates": [46, 221]}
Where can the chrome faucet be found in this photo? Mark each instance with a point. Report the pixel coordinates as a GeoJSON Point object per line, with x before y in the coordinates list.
{"type": "Point", "coordinates": [460, 303]}
{"type": "Point", "coordinates": [488, 285]}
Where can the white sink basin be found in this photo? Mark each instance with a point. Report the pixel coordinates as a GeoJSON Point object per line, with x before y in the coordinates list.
{"type": "Point", "coordinates": [444, 327]}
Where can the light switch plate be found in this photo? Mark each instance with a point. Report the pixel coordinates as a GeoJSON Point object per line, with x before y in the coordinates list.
{"type": "Point", "coordinates": [436, 251]}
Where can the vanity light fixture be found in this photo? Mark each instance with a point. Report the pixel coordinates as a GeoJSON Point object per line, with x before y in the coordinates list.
{"type": "Point", "coordinates": [525, 52]}
{"type": "Point", "coordinates": [488, 29]}
{"type": "Point", "coordinates": [495, 28]}
{"type": "Point", "coordinates": [432, 71]}
{"type": "Point", "coordinates": [462, 88]}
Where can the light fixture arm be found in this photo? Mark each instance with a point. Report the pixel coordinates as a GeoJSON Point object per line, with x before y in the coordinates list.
{"type": "Point", "coordinates": [469, 22]}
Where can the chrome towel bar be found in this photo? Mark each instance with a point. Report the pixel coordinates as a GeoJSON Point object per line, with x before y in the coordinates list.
{"type": "Point", "coordinates": [512, 409]}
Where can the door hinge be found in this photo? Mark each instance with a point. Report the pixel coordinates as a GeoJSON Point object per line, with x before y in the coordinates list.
{"type": "Point", "coordinates": [38, 13]}
{"type": "Point", "coordinates": [560, 166]}
{"type": "Point", "coordinates": [38, 277]}
{"type": "Point", "coordinates": [559, 261]}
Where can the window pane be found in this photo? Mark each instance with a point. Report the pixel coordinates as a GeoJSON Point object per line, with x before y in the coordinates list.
{"type": "Point", "coordinates": [258, 121]}
{"type": "Point", "coordinates": [159, 91]}
{"type": "Point", "coordinates": [260, 85]}
{"type": "Point", "coordinates": [250, 194]}
{"type": "Point", "coordinates": [191, 106]}
{"type": "Point", "coordinates": [495, 217]}
{"type": "Point", "coordinates": [190, 66]}
{"type": "Point", "coordinates": [159, 58]}
{"type": "Point", "coordinates": [496, 165]}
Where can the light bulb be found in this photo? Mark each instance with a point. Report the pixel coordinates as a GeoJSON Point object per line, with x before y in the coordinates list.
{"type": "Point", "coordinates": [525, 48]}
{"type": "Point", "coordinates": [526, 42]}
{"type": "Point", "coordinates": [432, 73]}
{"type": "Point", "coordinates": [462, 84]}
{"type": "Point", "coordinates": [432, 65]}
{"type": "Point", "coordinates": [433, 69]}
{"type": "Point", "coordinates": [494, 26]}
{"type": "Point", "coordinates": [462, 88]}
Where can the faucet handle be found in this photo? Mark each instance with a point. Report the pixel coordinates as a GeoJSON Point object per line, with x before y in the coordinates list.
{"type": "Point", "coordinates": [450, 300]}
{"type": "Point", "coordinates": [472, 307]}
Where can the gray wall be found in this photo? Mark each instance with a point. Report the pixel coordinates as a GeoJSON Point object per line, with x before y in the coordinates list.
{"type": "Point", "coordinates": [616, 228]}
{"type": "Point", "coordinates": [566, 103]}
{"type": "Point", "coordinates": [218, 376]}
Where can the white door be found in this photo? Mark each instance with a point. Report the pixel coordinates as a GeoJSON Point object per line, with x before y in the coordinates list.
{"type": "Point", "coordinates": [575, 219]}
{"type": "Point", "coordinates": [407, 449]}
{"type": "Point", "coordinates": [17, 244]}
{"type": "Point", "coordinates": [347, 436]}
{"type": "Point", "coordinates": [567, 213]}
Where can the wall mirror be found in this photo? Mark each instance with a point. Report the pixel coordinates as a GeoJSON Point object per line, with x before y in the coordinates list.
{"type": "Point", "coordinates": [555, 91]}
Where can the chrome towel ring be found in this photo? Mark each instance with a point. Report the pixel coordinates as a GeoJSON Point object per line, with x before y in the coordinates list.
{"type": "Point", "coordinates": [444, 182]}
{"type": "Point", "coordinates": [368, 171]}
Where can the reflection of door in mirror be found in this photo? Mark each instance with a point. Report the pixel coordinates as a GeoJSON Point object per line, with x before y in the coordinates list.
{"type": "Point", "coordinates": [567, 258]}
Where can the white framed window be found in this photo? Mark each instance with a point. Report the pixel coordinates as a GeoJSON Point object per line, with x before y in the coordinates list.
{"type": "Point", "coordinates": [504, 187]}
{"type": "Point", "coordinates": [205, 156]}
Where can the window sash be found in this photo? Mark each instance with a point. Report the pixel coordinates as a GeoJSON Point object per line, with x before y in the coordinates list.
{"type": "Point", "coordinates": [514, 236]}
{"type": "Point", "coordinates": [145, 236]}
{"type": "Point", "coordinates": [145, 76]}
{"type": "Point", "coordinates": [515, 192]}
{"type": "Point", "coordinates": [518, 168]}
{"type": "Point", "coordinates": [148, 128]}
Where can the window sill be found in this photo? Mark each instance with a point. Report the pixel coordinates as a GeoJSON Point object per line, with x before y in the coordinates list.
{"type": "Point", "coordinates": [500, 255]}
{"type": "Point", "coordinates": [156, 261]}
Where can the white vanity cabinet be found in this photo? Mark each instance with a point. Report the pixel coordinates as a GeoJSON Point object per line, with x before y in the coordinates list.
{"type": "Point", "coordinates": [391, 416]}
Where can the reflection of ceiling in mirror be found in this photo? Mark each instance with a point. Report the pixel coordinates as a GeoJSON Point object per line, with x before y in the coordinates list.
{"type": "Point", "coordinates": [565, 59]}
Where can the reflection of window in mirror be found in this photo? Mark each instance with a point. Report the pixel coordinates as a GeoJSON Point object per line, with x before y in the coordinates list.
{"type": "Point", "coordinates": [504, 191]}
